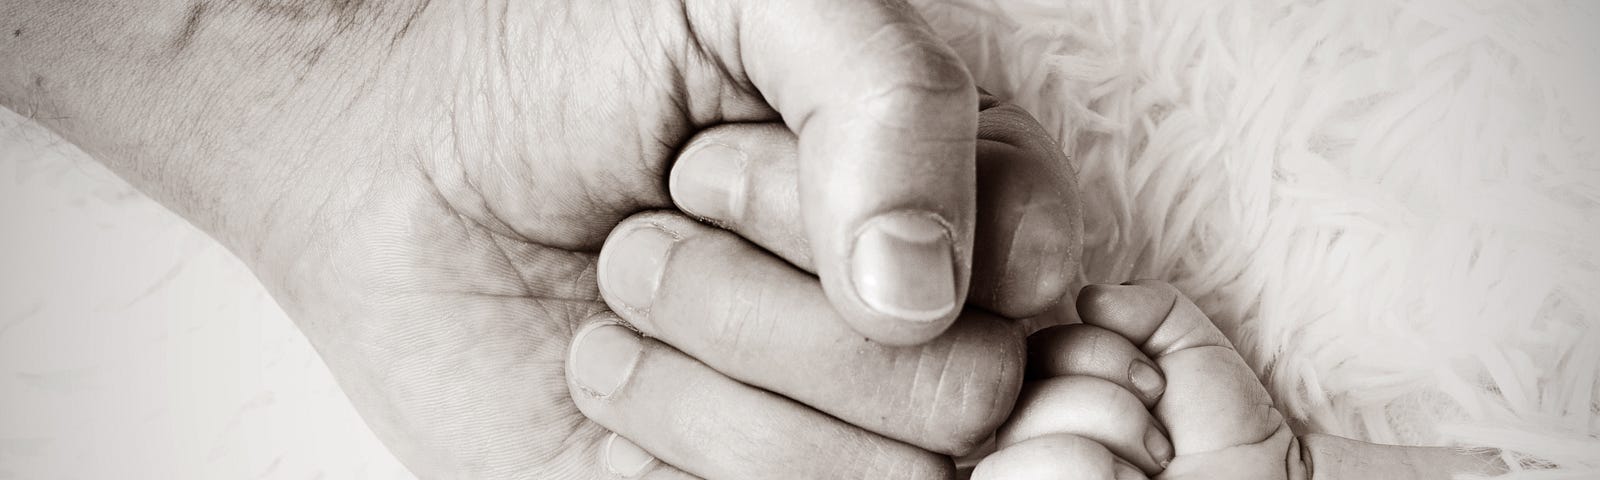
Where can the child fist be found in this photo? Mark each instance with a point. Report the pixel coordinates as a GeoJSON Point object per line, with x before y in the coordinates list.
{"type": "Point", "coordinates": [1145, 385]}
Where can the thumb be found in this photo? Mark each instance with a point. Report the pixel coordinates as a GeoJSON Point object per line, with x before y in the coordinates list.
{"type": "Point", "coordinates": [886, 116]}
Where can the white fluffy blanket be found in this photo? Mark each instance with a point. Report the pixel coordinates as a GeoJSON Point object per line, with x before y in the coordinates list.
{"type": "Point", "coordinates": [1392, 206]}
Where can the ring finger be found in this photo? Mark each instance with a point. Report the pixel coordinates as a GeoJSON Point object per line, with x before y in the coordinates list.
{"type": "Point", "coordinates": [702, 422]}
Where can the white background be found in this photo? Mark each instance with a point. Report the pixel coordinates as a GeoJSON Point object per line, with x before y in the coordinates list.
{"type": "Point", "coordinates": [132, 346]}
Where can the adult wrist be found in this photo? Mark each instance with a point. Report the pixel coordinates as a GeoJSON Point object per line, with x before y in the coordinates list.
{"type": "Point", "coordinates": [218, 111]}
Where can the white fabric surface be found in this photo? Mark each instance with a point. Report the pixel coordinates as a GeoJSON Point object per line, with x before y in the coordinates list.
{"type": "Point", "coordinates": [132, 346]}
{"type": "Point", "coordinates": [1394, 207]}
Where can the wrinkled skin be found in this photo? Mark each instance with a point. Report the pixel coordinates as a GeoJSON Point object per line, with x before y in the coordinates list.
{"type": "Point", "coordinates": [422, 186]}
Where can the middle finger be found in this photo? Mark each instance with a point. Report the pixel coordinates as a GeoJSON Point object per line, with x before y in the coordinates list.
{"type": "Point", "coordinates": [700, 421]}
{"type": "Point", "coordinates": [757, 319]}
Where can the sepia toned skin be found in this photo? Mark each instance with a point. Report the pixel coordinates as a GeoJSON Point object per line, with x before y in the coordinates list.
{"type": "Point", "coordinates": [1146, 386]}
{"type": "Point", "coordinates": [1196, 412]}
{"type": "Point", "coordinates": [424, 187]}
{"type": "Point", "coordinates": [742, 300]}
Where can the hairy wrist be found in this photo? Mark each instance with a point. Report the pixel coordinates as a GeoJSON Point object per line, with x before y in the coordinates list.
{"type": "Point", "coordinates": [218, 110]}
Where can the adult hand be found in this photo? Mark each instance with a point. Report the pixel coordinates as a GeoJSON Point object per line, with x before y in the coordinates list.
{"type": "Point", "coordinates": [749, 373]}
{"type": "Point", "coordinates": [421, 184]}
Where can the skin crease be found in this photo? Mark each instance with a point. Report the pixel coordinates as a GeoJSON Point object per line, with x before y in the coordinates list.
{"type": "Point", "coordinates": [378, 167]}
{"type": "Point", "coordinates": [1219, 417]}
{"type": "Point", "coordinates": [748, 307]}
{"type": "Point", "coordinates": [439, 273]}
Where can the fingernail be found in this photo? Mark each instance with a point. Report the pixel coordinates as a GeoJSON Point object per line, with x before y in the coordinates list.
{"type": "Point", "coordinates": [1159, 447]}
{"type": "Point", "coordinates": [1123, 471]}
{"type": "Point", "coordinates": [1146, 379]}
{"type": "Point", "coordinates": [631, 266]}
{"type": "Point", "coordinates": [624, 458]}
{"type": "Point", "coordinates": [603, 355]}
{"type": "Point", "coordinates": [709, 182]}
{"type": "Point", "coordinates": [902, 266]}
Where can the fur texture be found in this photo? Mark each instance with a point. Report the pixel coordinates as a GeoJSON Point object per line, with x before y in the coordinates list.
{"type": "Point", "coordinates": [1392, 207]}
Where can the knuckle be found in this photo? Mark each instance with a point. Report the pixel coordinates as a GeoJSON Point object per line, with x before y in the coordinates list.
{"type": "Point", "coordinates": [977, 388]}
{"type": "Point", "coordinates": [730, 332]}
{"type": "Point", "coordinates": [908, 104]}
{"type": "Point", "coordinates": [741, 327]}
{"type": "Point", "coordinates": [910, 50]}
{"type": "Point", "coordinates": [918, 78]}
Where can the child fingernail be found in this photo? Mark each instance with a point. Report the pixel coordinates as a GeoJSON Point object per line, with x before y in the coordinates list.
{"type": "Point", "coordinates": [1159, 447]}
{"type": "Point", "coordinates": [1146, 379]}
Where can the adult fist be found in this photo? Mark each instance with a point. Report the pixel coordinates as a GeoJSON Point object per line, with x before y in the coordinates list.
{"type": "Point", "coordinates": [745, 369]}
{"type": "Point", "coordinates": [422, 185]}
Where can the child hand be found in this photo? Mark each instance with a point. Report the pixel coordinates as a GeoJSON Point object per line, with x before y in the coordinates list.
{"type": "Point", "coordinates": [1146, 385]}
